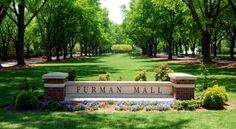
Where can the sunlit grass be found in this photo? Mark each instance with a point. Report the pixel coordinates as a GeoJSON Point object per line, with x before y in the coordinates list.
{"type": "Point", "coordinates": [127, 67]}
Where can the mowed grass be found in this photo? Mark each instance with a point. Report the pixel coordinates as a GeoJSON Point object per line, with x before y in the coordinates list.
{"type": "Point", "coordinates": [120, 120]}
{"type": "Point", "coordinates": [126, 66]}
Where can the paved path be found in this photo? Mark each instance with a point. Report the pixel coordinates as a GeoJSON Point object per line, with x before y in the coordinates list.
{"type": "Point", "coordinates": [186, 59]}
{"type": "Point", "coordinates": [37, 60]}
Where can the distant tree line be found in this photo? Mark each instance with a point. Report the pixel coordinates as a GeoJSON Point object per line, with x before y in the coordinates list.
{"type": "Point", "coordinates": [178, 26]}
{"type": "Point", "coordinates": [54, 28]}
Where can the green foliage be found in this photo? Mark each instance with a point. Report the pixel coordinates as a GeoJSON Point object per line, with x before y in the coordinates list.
{"type": "Point", "coordinates": [53, 106]}
{"type": "Point", "coordinates": [214, 97]}
{"type": "Point", "coordinates": [142, 76]}
{"type": "Point", "coordinates": [204, 73]}
{"type": "Point", "coordinates": [121, 48]}
{"type": "Point", "coordinates": [110, 102]}
{"type": "Point", "coordinates": [26, 86]}
{"type": "Point", "coordinates": [187, 105]}
{"type": "Point", "coordinates": [136, 50]}
{"type": "Point", "coordinates": [162, 73]}
{"type": "Point", "coordinates": [104, 77]}
{"type": "Point", "coordinates": [26, 100]}
{"type": "Point", "coordinates": [72, 75]}
{"type": "Point", "coordinates": [120, 78]}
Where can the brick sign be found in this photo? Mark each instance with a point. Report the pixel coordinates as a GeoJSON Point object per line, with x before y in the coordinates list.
{"type": "Point", "coordinates": [57, 87]}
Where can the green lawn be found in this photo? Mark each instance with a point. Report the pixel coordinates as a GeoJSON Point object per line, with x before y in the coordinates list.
{"type": "Point", "coordinates": [118, 65]}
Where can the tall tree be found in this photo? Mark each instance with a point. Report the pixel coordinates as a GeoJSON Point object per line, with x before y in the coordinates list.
{"type": "Point", "coordinates": [7, 34]}
{"type": "Point", "coordinates": [4, 5]}
{"type": "Point", "coordinates": [233, 5]}
{"type": "Point", "coordinates": [205, 14]}
{"type": "Point", "coordinates": [19, 7]}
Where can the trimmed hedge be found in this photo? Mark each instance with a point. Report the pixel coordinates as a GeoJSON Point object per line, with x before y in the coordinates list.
{"type": "Point", "coordinates": [214, 97]}
{"type": "Point", "coordinates": [120, 48]}
{"type": "Point", "coordinates": [26, 100]}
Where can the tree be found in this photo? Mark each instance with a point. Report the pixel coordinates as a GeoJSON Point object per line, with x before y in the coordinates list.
{"type": "Point", "coordinates": [19, 8]}
{"type": "Point", "coordinates": [4, 5]}
{"type": "Point", "coordinates": [205, 14]}
{"type": "Point", "coordinates": [6, 36]}
{"type": "Point", "coordinates": [233, 5]}
{"type": "Point", "coordinates": [171, 14]}
{"type": "Point", "coordinates": [141, 26]}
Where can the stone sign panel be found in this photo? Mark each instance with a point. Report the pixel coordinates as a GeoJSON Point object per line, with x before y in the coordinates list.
{"type": "Point", "coordinates": [118, 89]}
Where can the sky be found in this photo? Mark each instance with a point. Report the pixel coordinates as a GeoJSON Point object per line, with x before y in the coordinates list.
{"type": "Point", "coordinates": [113, 6]}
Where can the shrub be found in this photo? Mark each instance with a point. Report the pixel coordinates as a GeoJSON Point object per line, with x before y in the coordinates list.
{"type": "Point", "coordinates": [86, 106]}
{"type": "Point", "coordinates": [92, 106]}
{"type": "Point", "coordinates": [214, 97]}
{"type": "Point", "coordinates": [142, 76]}
{"type": "Point", "coordinates": [162, 73]}
{"type": "Point", "coordinates": [204, 74]}
{"type": "Point", "coordinates": [120, 78]}
{"type": "Point", "coordinates": [79, 107]}
{"type": "Point", "coordinates": [104, 77]}
{"type": "Point", "coordinates": [72, 75]}
{"type": "Point", "coordinates": [136, 107]}
{"type": "Point", "coordinates": [26, 100]}
{"type": "Point", "coordinates": [187, 105]}
{"type": "Point", "coordinates": [26, 86]}
{"type": "Point", "coordinates": [121, 48]}
{"type": "Point", "coordinates": [110, 102]}
{"type": "Point", "coordinates": [53, 106]}
{"type": "Point", "coordinates": [136, 51]}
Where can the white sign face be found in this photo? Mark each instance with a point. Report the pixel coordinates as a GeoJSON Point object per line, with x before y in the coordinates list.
{"type": "Point", "coordinates": [118, 89]}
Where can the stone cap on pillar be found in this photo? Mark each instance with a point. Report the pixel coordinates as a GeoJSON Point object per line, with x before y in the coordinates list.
{"type": "Point", "coordinates": [182, 76]}
{"type": "Point", "coordinates": [55, 75]}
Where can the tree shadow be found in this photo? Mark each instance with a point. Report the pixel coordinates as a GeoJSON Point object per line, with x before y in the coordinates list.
{"type": "Point", "coordinates": [91, 121]}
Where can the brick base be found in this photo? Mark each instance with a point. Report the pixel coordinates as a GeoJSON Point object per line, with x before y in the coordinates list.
{"type": "Point", "coordinates": [183, 93]}
{"type": "Point", "coordinates": [57, 94]}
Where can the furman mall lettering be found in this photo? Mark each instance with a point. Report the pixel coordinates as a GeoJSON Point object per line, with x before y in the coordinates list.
{"type": "Point", "coordinates": [118, 90]}
{"type": "Point", "coordinates": [114, 89]}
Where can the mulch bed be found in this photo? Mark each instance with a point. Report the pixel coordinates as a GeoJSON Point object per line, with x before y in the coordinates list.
{"type": "Point", "coordinates": [105, 107]}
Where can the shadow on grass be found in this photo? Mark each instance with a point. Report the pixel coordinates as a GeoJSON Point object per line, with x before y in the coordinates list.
{"type": "Point", "coordinates": [10, 79]}
{"type": "Point", "coordinates": [90, 121]}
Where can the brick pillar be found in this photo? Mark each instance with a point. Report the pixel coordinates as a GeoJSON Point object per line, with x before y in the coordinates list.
{"type": "Point", "coordinates": [54, 85]}
{"type": "Point", "coordinates": [183, 85]}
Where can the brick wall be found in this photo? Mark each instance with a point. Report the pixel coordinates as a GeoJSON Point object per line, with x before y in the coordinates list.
{"type": "Point", "coordinates": [53, 93]}
{"type": "Point", "coordinates": [183, 93]}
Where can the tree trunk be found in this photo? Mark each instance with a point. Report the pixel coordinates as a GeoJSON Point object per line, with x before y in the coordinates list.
{"type": "Point", "coordinates": [5, 54]}
{"type": "Point", "coordinates": [232, 45]}
{"type": "Point", "coordinates": [180, 47]}
{"type": "Point", "coordinates": [49, 52]}
{"type": "Point", "coordinates": [186, 49]}
{"type": "Point", "coordinates": [176, 48]}
{"type": "Point", "coordinates": [206, 41]}
{"type": "Point", "coordinates": [71, 52]}
{"type": "Point", "coordinates": [96, 50]}
{"type": "Point", "coordinates": [28, 51]}
{"type": "Point", "coordinates": [64, 53]}
{"type": "Point", "coordinates": [193, 49]}
{"type": "Point", "coordinates": [150, 50]}
{"type": "Point", "coordinates": [85, 49]}
{"type": "Point", "coordinates": [155, 49]}
{"type": "Point", "coordinates": [170, 49]}
{"type": "Point", "coordinates": [58, 53]}
{"type": "Point", "coordinates": [214, 50]}
{"type": "Point", "coordinates": [20, 34]}
{"type": "Point", "coordinates": [81, 49]}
